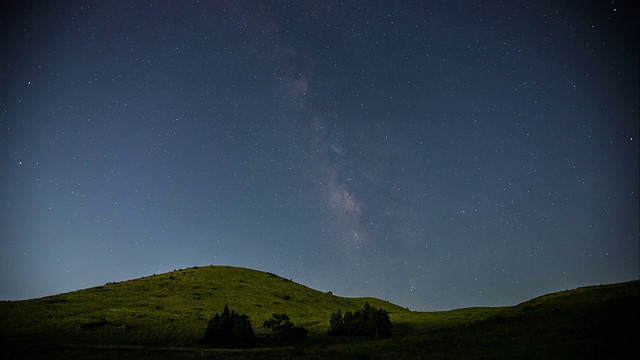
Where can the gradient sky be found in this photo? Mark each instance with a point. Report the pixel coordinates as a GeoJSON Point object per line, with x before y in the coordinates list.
{"type": "Point", "coordinates": [436, 154]}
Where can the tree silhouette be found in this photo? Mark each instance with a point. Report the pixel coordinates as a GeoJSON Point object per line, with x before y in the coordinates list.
{"type": "Point", "coordinates": [281, 325]}
{"type": "Point", "coordinates": [336, 324]}
{"type": "Point", "coordinates": [369, 322]}
{"type": "Point", "coordinates": [228, 328]}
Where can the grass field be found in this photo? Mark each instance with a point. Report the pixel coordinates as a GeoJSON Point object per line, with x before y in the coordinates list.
{"type": "Point", "coordinates": [165, 316]}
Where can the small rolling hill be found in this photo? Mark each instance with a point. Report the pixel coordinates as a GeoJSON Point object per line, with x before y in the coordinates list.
{"type": "Point", "coordinates": [164, 316]}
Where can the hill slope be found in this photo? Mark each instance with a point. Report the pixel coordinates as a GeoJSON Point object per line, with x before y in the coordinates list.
{"type": "Point", "coordinates": [164, 316]}
{"type": "Point", "coordinates": [174, 307]}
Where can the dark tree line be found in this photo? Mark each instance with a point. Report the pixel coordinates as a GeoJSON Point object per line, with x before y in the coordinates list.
{"type": "Point", "coordinates": [231, 328]}
{"type": "Point", "coordinates": [228, 328]}
{"type": "Point", "coordinates": [368, 321]}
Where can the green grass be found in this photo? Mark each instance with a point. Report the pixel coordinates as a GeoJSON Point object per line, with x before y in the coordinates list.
{"type": "Point", "coordinates": [164, 316]}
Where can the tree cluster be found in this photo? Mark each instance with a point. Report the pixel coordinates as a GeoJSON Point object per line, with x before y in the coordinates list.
{"type": "Point", "coordinates": [281, 325]}
{"type": "Point", "coordinates": [228, 328]}
{"type": "Point", "coordinates": [368, 321]}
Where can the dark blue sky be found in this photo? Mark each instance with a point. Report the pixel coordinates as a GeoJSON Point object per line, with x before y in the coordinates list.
{"type": "Point", "coordinates": [435, 154]}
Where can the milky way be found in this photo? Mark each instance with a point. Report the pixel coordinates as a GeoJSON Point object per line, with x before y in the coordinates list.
{"type": "Point", "coordinates": [433, 155]}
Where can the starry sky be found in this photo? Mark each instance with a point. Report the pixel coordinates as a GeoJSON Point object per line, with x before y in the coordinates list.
{"type": "Point", "coordinates": [436, 154]}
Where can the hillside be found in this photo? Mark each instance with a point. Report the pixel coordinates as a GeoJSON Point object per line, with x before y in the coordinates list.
{"type": "Point", "coordinates": [173, 308]}
{"type": "Point", "coordinates": [164, 316]}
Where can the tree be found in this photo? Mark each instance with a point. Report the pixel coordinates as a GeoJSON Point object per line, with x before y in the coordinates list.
{"type": "Point", "coordinates": [228, 328]}
{"type": "Point", "coordinates": [281, 325]}
{"type": "Point", "coordinates": [336, 324]}
{"type": "Point", "coordinates": [377, 324]}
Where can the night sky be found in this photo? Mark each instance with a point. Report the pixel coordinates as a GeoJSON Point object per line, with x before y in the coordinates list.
{"type": "Point", "coordinates": [436, 154]}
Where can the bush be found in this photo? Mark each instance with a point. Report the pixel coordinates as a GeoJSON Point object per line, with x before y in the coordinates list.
{"type": "Point", "coordinates": [228, 328]}
{"type": "Point", "coordinates": [369, 322]}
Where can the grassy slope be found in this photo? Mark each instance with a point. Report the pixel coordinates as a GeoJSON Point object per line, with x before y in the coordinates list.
{"type": "Point", "coordinates": [171, 310]}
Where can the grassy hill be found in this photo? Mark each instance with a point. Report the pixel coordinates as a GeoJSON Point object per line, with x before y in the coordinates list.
{"type": "Point", "coordinates": [165, 316]}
